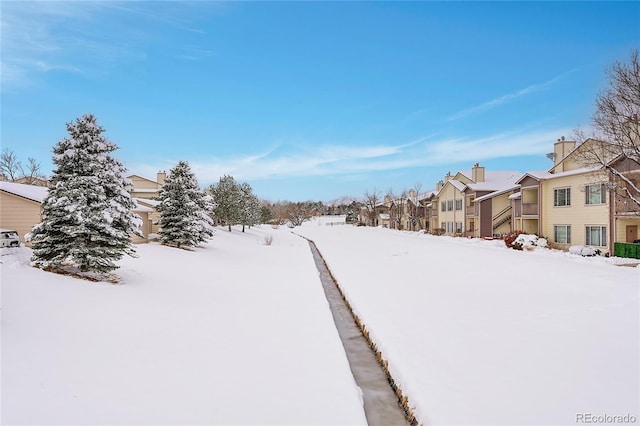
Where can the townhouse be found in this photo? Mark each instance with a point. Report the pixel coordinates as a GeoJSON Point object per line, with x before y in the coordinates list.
{"type": "Point", "coordinates": [458, 212]}
{"type": "Point", "coordinates": [144, 191]}
{"type": "Point", "coordinates": [577, 204]}
{"type": "Point", "coordinates": [572, 203]}
{"type": "Point", "coordinates": [21, 210]}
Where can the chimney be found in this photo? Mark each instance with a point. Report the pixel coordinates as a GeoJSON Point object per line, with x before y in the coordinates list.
{"type": "Point", "coordinates": [440, 185]}
{"type": "Point", "coordinates": [448, 176]}
{"type": "Point", "coordinates": [477, 173]}
{"type": "Point", "coordinates": [412, 193]}
{"type": "Point", "coordinates": [561, 149]}
{"type": "Point", "coordinates": [161, 177]}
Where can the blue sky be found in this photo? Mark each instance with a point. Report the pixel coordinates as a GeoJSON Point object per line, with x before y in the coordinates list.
{"type": "Point", "coordinates": [311, 100]}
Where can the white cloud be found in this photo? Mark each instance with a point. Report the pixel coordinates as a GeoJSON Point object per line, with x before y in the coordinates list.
{"type": "Point", "coordinates": [506, 98]}
{"type": "Point", "coordinates": [328, 160]}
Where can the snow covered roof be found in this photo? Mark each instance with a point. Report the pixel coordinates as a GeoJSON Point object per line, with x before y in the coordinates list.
{"type": "Point", "coordinates": [547, 175]}
{"type": "Point", "coordinates": [515, 196]}
{"type": "Point", "coordinates": [496, 181]}
{"type": "Point", "coordinates": [428, 194]}
{"type": "Point", "coordinates": [496, 193]}
{"type": "Point", "coordinates": [146, 190]}
{"type": "Point", "coordinates": [384, 216]}
{"type": "Point", "coordinates": [148, 202]}
{"type": "Point", "coordinates": [31, 192]}
{"type": "Point", "coordinates": [141, 208]}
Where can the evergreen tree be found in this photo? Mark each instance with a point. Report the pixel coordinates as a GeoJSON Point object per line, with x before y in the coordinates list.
{"type": "Point", "coordinates": [249, 211]}
{"type": "Point", "coordinates": [228, 201]}
{"type": "Point", "coordinates": [88, 216]}
{"type": "Point", "coordinates": [184, 209]}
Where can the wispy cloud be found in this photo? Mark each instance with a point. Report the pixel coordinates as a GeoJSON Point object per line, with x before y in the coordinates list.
{"type": "Point", "coordinates": [506, 98]}
{"type": "Point", "coordinates": [326, 160]}
{"type": "Point", "coordinates": [86, 36]}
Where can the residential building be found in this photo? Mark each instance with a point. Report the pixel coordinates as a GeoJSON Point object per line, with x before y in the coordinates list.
{"type": "Point", "coordinates": [147, 188]}
{"type": "Point", "coordinates": [21, 209]}
{"type": "Point", "coordinates": [571, 203]}
{"type": "Point", "coordinates": [458, 213]}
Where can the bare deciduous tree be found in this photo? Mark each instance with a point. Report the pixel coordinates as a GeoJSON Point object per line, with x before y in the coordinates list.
{"type": "Point", "coordinates": [13, 169]}
{"type": "Point", "coordinates": [414, 209]}
{"type": "Point", "coordinates": [32, 172]}
{"type": "Point", "coordinates": [9, 164]}
{"type": "Point", "coordinates": [615, 123]}
{"type": "Point", "coordinates": [371, 201]}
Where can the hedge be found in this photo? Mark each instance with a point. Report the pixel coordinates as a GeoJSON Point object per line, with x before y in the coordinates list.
{"type": "Point", "coordinates": [626, 250]}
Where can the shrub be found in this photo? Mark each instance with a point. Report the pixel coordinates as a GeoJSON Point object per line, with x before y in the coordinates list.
{"type": "Point", "coordinates": [438, 231]}
{"type": "Point", "coordinates": [510, 240]}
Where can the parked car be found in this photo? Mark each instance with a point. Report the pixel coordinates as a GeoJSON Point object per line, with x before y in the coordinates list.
{"type": "Point", "coordinates": [9, 238]}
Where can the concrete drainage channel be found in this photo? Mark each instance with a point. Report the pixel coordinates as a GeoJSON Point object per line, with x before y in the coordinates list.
{"type": "Point", "coordinates": [384, 403]}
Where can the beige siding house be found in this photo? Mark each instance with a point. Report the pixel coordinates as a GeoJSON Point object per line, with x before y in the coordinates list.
{"type": "Point", "coordinates": [458, 212]}
{"type": "Point", "coordinates": [146, 188]}
{"type": "Point", "coordinates": [21, 209]}
{"type": "Point", "coordinates": [571, 203]}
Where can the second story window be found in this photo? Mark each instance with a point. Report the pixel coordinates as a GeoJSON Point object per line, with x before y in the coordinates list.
{"type": "Point", "coordinates": [449, 205]}
{"type": "Point", "coordinates": [595, 194]}
{"type": "Point", "coordinates": [562, 197]}
{"type": "Point", "coordinates": [459, 204]}
{"type": "Point", "coordinates": [443, 206]}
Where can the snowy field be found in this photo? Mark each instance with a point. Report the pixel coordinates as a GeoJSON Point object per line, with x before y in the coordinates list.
{"type": "Point", "coordinates": [478, 334]}
{"type": "Point", "coordinates": [237, 332]}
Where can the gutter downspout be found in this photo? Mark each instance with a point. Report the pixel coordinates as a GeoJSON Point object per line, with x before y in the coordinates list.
{"type": "Point", "coordinates": [540, 197]}
{"type": "Point", "coordinates": [612, 213]}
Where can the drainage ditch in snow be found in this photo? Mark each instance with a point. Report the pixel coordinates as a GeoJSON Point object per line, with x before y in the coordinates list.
{"type": "Point", "coordinates": [381, 404]}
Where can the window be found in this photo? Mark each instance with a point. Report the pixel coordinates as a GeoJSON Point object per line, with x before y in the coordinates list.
{"type": "Point", "coordinates": [458, 227]}
{"type": "Point", "coordinates": [450, 227]}
{"type": "Point", "coordinates": [596, 235]}
{"type": "Point", "coordinates": [595, 194]}
{"type": "Point", "coordinates": [443, 225]}
{"type": "Point", "coordinates": [449, 205]}
{"type": "Point", "coordinates": [562, 234]}
{"type": "Point", "coordinates": [562, 197]}
{"type": "Point", "coordinates": [459, 204]}
{"type": "Point", "coordinates": [443, 207]}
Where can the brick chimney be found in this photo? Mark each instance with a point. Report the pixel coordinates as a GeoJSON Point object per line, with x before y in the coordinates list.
{"type": "Point", "coordinates": [477, 173]}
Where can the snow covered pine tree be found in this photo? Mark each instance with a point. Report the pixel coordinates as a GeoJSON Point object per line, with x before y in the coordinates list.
{"type": "Point", "coordinates": [184, 209]}
{"type": "Point", "coordinates": [87, 213]}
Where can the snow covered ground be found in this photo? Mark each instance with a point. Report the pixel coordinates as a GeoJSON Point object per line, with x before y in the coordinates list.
{"type": "Point", "coordinates": [478, 334]}
{"type": "Point", "coordinates": [237, 332]}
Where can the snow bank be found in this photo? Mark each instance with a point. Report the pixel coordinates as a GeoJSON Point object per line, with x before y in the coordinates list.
{"type": "Point", "coordinates": [477, 334]}
{"type": "Point", "coordinates": [234, 333]}
{"type": "Point", "coordinates": [584, 250]}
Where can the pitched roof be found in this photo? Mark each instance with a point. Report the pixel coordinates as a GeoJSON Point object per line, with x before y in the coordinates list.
{"type": "Point", "coordinates": [30, 192]}
{"type": "Point", "coordinates": [148, 202]}
{"type": "Point", "coordinates": [142, 177]}
{"type": "Point", "coordinates": [496, 193]}
{"type": "Point", "coordinates": [496, 181]}
{"type": "Point", "coordinates": [39, 193]}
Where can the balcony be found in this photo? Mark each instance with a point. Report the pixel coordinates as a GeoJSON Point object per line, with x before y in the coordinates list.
{"type": "Point", "coordinates": [530, 209]}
